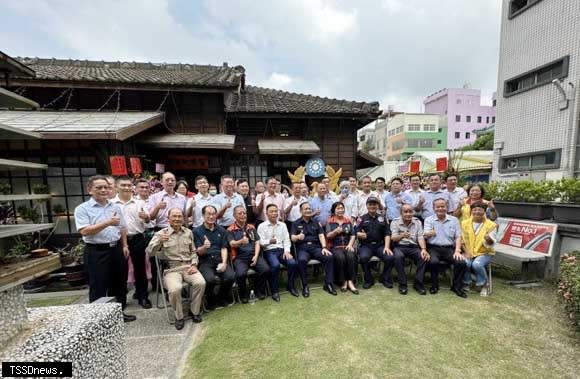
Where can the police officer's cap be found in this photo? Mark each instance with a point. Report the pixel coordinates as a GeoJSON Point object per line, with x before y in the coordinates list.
{"type": "Point", "coordinates": [373, 199]}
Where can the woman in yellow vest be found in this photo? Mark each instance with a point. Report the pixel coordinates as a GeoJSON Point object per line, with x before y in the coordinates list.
{"type": "Point", "coordinates": [479, 236]}
{"type": "Point", "coordinates": [475, 194]}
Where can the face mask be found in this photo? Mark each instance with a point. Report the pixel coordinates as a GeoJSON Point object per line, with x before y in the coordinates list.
{"type": "Point", "coordinates": [213, 192]}
{"type": "Point", "coordinates": [344, 191]}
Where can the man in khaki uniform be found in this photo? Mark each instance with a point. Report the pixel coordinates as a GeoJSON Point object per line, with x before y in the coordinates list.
{"type": "Point", "coordinates": [175, 244]}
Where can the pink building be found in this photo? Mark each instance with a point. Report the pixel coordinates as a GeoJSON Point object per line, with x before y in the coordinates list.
{"type": "Point", "coordinates": [464, 113]}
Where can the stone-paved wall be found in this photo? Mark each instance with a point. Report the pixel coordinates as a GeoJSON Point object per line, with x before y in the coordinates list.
{"type": "Point", "coordinates": [13, 313]}
{"type": "Point", "coordinates": [91, 336]}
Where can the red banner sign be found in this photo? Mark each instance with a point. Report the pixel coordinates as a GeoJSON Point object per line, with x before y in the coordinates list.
{"type": "Point", "coordinates": [118, 165]}
{"type": "Point", "coordinates": [531, 236]}
{"type": "Point", "coordinates": [136, 168]}
{"type": "Point", "coordinates": [187, 162]}
{"type": "Point", "coordinates": [415, 166]}
{"type": "Point", "coordinates": [441, 164]}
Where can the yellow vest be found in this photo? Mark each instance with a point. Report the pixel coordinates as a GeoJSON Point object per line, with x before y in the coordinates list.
{"type": "Point", "coordinates": [474, 243]}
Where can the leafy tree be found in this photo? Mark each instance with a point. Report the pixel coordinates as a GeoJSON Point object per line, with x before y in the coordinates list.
{"type": "Point", "coordinates": [483, 142]}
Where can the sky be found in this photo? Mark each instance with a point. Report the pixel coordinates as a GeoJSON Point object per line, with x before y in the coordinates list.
{"type": "Point", "coordinates": [396, 52]}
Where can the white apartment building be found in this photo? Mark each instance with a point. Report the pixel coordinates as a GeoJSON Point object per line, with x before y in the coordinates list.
{"type": "Point", "coordinates": [536, 132]}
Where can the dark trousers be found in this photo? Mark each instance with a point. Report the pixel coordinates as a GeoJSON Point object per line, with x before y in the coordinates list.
{"type": "Point", "coordinates": [307, 252]}
{"type": "Point", "coordinates": [274, 258]}
{"type": "Point", "coordinates": [241, 267]}
{"type": "Point", "coordinates": [137, 251]}
{"type": "Point", "coordinates": [414, 253]}
{"type": "Point", "coordinates": [107, 272]}
{"type": "Point", "coordinates": [366, 251]}
{"type": "Point", "coordinates": [344, 264]}
{"type": "Point", "coordinates": [208, 268]}
{"type": "Point", "coordinates": [445, 254]}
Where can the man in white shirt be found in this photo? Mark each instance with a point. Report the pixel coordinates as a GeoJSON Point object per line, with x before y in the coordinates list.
{"type": "Point", "coordinates": [292, 204]}
{"type": "Point", "coordinates": [366, 192]}
{"type": "Point", "coordinates": [275, 241]}
{"type": "Point", "coordinates": [416, 194]}
{"type": "Point", "coordinates": [202, 198]}
{"type": "Point", "coordinates": [136, 219]}
{"type": "Point", "coordinates": [350, 200]}
{"type": "Point", "coordinates": [161, 202]}
{"type": "Point", "coordinates": [456, 194]}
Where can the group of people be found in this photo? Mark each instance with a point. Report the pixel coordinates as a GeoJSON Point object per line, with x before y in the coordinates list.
{"type": "Point", "coordinates": [211, 241]}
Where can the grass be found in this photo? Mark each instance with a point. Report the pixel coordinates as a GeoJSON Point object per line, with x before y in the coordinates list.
{"type": "Point", "coordinates": [51, 301]}
{"type": "Point", "coordinates": [514, 333]}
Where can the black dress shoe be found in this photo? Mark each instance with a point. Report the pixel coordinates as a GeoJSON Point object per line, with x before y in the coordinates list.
{"type": "Point", "coordinates": [196, 319]}
{"type": "Point", "coordinates": [276, 297]}
{"type": "Point", "coordinates": [368, 285]}
{"type": "Point", "coordinates": [261, 296]}
{"type": "Point", "coordinates": [420, 289]}
{"type": "Point", "coordinates": [433, 290]}
{"type": "Point", "coordinates": [244, 300]}
{"type": "Point", "coordinates": [459, 292]}
{"type": "Point", "coordinates": [146, 304]}
{"type": "Point", "coordinates": [293, 292]}
{"type": "Point", "coordinates": [330, 289]}
{"type": "Point", "coordinates": [387, 284]}
{"type": "Point", "coordinates": [355, 291]}
{"type": "Point", "coordinates": [306, 291]}
{"type": "Point", "coordinates": [128, 318]}
{"type": "Point", "coordinates": [403, 290]}
{"type": "Point", "coordinates": [179, 324]}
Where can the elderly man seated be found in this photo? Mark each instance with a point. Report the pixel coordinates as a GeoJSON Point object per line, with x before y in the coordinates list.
{"type": "Point", "coordinates": [175, 244]}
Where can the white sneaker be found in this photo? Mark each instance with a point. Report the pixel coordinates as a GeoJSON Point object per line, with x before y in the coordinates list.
{"type": "Point", "coordinates": [484, 291]}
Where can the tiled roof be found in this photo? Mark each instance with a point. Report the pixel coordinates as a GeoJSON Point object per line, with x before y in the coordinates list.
{"type": "Point", "coordinates": [125, 73]}
{"type": "Point", "coordinates": [264, 100]}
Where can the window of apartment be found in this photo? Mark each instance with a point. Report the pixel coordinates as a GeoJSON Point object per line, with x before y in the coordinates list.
{"type": "Point", "coordinates": [398, 145]}
{"type": "Point", "coordinates": [429, 127]}
{"type": "Point", "coordinates": [414, 127]}
{"type": "Point", "coordinates": [458, 118]}
{"type": "Point", "coordinates": [400, 129]}
{"type": "Point", "coordinates": [362, 138]}
{"type": "Point", "coordinates": [385, 143]}
{"type": "Point", "coordinates": [519, 6]}
{"type": "Point", "coordinates": [458, 101]}
{"type": "Point", "coordinates": [537, 77]}
{"type": "Point", "coordinates": [494, 103]}
{"type": "Point", "coordinates": [535, 161]}
{"type": "Point", "coordinates": [457, 135]}
{"type": "Point", "coordinates": [439, 130]}
{"type": "Point", "coordinates": [421, 143]}
{"type": "Point", "coordinates": [438, 142]}
{"type": "Point", "coordinates": [479, 119]}
{"type": "Point", "coordinates": [468, 119]}
{"type": "Point", "coordinates": [493, 120]}
{"type": "Point", "coordinates": [467, 135]}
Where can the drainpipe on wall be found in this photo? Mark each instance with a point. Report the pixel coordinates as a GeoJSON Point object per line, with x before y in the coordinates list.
{"type": "Point", "coordinates": [573, 128]}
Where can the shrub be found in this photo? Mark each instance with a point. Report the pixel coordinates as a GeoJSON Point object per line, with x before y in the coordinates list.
{"type": "Point", "coordinates": [569, 286]}
{"type": "Point", "coordinates": [528, 191]}
{"type": "Point", "coordinates": [569, 190]}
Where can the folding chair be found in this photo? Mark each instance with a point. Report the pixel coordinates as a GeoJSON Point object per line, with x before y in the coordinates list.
{"type": "Point", "coordinates": [161, 288]}
{"type": "Point", "coordinates": [311, 263]}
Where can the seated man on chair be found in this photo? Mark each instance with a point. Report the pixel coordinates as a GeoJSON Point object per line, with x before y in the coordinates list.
{"type": "Point", "coordinates": [245, 253]}
{"type": "Point", "coordinates": [374, 235]}
{"type": "Point", "coordinates": [443, 235]}
{"type": "Point", "coordinates": [308, 235]}
{"type": "Point", "coordinates": [211, 241]}
{"type": "Point", "coordinates": [479, 236]}
{"type": "Point", "coordinates": [276, 243]}
{"type": "Point", "coordinates": [175, 244]}
{"type": "Point", "coordinates": [407, 235]}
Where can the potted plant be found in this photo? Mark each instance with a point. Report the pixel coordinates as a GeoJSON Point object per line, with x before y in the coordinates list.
{"type": "Point", "coordinates": [74, 272]}
{"type": "Point", "coordinates": [18, 251]}
{"type": "Point", "coordinates": [59, 210]}
{"type": "Point", "coordinates": [567, 210]}
{"type": "Point", "coordinates": [29, 214]}
{"type": "Point", "coordinates": [526, 199]}
{"type": "Point", "coordinates": [5, 188]}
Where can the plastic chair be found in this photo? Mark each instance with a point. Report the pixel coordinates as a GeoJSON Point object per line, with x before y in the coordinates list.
{"type": "Point", "coordinates": [185, 300]}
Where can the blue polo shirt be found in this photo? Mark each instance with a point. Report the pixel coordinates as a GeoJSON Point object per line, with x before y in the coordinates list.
{"type": "Point", "coordinates": [394, 202]}
{"type": "Point", "coordinates": [446, 231]}
{"type": "Point", "coordinates": [218, 237]}
{"type": "Point", "coordinates": [430, 196]}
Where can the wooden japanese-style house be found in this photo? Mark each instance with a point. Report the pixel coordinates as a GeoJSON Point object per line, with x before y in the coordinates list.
{"type": "Point", "coordinates": [194, 119]}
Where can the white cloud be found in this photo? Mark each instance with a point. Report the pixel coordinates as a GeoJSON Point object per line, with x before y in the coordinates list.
{"type": "Point", "coordinates": [396, 51]}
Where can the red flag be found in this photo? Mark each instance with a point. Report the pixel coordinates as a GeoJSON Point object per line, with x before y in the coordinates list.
{"type": "Point", "coordinates": [118, 165]}
{"type": "Point", "coordinates": [135, 165]}
{"type": "Point", "coordinates": [441, 164]}
{"type": "Point", "coordinates": [415, 166]}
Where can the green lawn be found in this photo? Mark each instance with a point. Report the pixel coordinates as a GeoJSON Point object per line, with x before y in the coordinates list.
{"type": "Point", "coordinates": [512, 334]}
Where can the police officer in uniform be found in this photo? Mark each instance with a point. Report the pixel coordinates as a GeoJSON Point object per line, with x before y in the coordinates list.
{"type": "Point", "coordinates": [308, 235]}
{"type": "Point", "coordinates": [245, 253]}
{"type": "Point", "coordinates": [374, 235]}
{"type": "Point", "coordinates": [104, 231]}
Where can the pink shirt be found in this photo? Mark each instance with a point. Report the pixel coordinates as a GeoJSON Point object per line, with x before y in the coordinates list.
{"type": "Point", "coordinates": [277, 199]}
